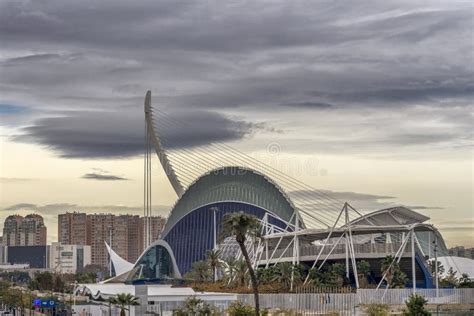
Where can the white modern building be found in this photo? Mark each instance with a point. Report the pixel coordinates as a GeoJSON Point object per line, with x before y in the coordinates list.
{"type": "Point", "coordinates": [69, 258]}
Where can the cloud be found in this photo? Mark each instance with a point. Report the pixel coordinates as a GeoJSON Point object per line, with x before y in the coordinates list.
{"type": "Point", "coordinates": [21, 206]}
{"type": "Point", "coordinates": [104, 134]}
{"type": "Point", "coordinates": [311, 104]}
{"type": "Point", "coordinates": [421, 207]}
{"type": "Point", "coordinates": [14, 180]}
{"type": "Point", "coordinates": [360, 201]}
{"type": "Point", "coordinates": [346, 196]}
{"type": "Point", "coordinates": [102, 177]}
{"type": "Point", "coordinates": [361, 79]}
{"type": "Point", "coordinates": [59, 208]}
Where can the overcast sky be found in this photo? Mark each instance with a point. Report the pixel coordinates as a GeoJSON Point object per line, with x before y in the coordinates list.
{"type": "Point", "coordinates": [378, 93]}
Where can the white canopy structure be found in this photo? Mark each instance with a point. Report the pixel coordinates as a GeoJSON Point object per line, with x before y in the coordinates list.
{"type": "Point", "coordinates": [120, 265]}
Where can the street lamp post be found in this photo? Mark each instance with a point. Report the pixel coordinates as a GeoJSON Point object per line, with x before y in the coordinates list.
{"type": "Point", "coordinates": [215, 210]}
{"type": "Point", "coordinates": [74, 297]}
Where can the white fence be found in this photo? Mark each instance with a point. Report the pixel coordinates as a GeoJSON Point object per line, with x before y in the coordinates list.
{"type": "Point", "coordinates": [399, 296]}
{"type": "Point", "coordinates": [347, 303]}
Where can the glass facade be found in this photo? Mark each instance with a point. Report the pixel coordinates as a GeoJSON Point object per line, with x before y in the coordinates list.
{"type": "Point", "coordinates": [193, 235]}
{"type": "Point", "coordinates": [155, 264]}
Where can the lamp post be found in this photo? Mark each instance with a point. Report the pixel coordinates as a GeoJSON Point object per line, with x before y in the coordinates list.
{"type": "Point", "coordinates": [215, 209]}
{"type": "Point", "coordinates": [74, 298]}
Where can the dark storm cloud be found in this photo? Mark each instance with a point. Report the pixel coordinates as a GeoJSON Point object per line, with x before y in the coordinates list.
{"type": "Point", "coordinates": [102, 177]}
{"type": "Point", "coordinates": [383, 59]}
{"type": "Point", "coordinates": [121, 134]}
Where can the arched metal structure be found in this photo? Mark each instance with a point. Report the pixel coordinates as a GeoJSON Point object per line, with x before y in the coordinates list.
{"type": "Point", "coordinates": [193, 223]}
{"type": "Point", "coordinates": [232, 184]}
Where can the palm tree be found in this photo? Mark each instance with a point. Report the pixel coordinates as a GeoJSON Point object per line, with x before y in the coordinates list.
{"type": "Point", "coordinates": [200, 271]}
{"type": "Point", "coordinates": [241, 272]}
{"type": "Point", "coordinates": [266, 275]}
{"type": "Point", "coordinates": [284, 271]}
{"type": "Point", "coordinates": [338, 272]}
{"type": "Point", "coordinates": [214, 262]}
{"type": "Point", "coordinates": [229, 268]}
{"type": "Point", "coordinates": [316, 277]}
{"type": "Point", "coordinates": [389, 266]}
{"type": "Point", "coordinates": [242, 225]}
{"type": "Point", "coordinates": [363, 269]}
{"type": "Point", "coordinates": [122, 300]}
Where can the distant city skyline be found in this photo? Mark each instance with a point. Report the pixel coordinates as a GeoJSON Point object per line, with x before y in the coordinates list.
{"type": "Point", "coordinates": [375, 97]}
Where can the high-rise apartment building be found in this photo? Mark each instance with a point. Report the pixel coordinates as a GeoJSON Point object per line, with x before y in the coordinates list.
{"type": "Point", "coordinates": [72, 228]}
{"type": "Point", "coordinates": [124, 233]}
{"type": "Point", "coordinates": [24, 231]}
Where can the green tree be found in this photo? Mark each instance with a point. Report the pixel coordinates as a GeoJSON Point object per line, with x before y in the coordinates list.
{"type": "Point", "coordinates": [363, 270]}
{"type": "Point", "coordinates": [16, 277]}
{"type": "Point", "coordinates": [200, 271]}
{"type": "Point", "coordinates": [45, 281]}
{"type": "Point", "coordinates": [242, 226]}
{"type": "Point", "coordinates": [285, 273]}
{"type": "Point", "coordinates": [450, 280]}
{"type": "Point", "coordinates": [432, 268]}
{"type": "Point", "coordinates": [123, 301]}
{"type": "Point", "coordinates": [416, 306]}
{"type": "Point", "coordinates": [214, 262]}
{"type": "Point", "coordinates": [241, 272]}
{"type": "Point", "coordinates": [14, 298]}
{"type": "Point", "coordinates": [267, 275]}
{"type": "Point", "coordinates": [86, 277]}
{"type": "Point", "coordinates": [229, 269]}
{"type": "Point", "coordinates": [389, 266]}
{"type": "Point", "coordinates": [338, 271]}
{"type": "Point", "coordinates": [58, 283]}
{"type": "Point", "coordinates": [316, 277]}
{"type": "Point", "coordinates": [465, 281]}
{"type": "Point", "coordinates": [399, 280]}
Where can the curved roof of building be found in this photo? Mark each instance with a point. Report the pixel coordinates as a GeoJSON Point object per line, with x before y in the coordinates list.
{"type": "Point", "coordinates": [236, 184]}
{"type": "Point", "coordinates": [398, 215]}
{"type": "Point", "coordinates": [459, 265]}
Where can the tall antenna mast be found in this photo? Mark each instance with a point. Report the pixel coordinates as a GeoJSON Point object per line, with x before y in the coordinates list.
{"type": "Point", "coordinates": [147, 176]}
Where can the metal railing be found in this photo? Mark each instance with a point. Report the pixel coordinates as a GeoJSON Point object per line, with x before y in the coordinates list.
{"type": "Point", "coordinates": [313, 251]}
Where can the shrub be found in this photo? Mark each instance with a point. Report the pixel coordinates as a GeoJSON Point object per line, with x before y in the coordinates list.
{"type": "Point", "coordinates": [377, 310]}
{"type": "Point", "coordinates": [238, 308]}
{"type": "Point", "coordinates": [416, 306]}
{"type": "Point", "coordinates": [195, 307]}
